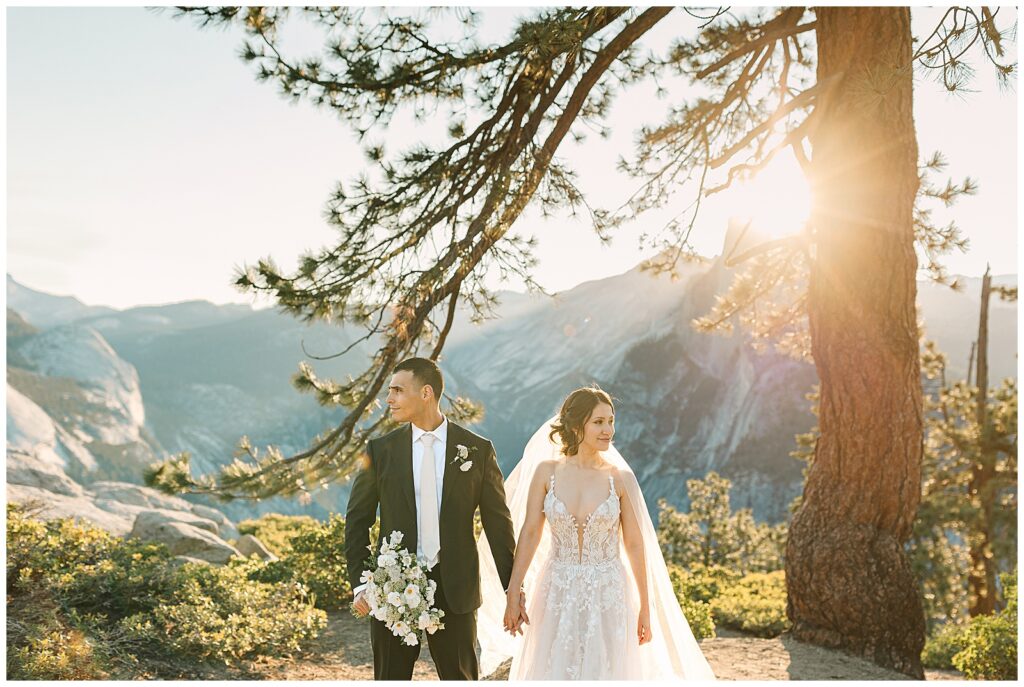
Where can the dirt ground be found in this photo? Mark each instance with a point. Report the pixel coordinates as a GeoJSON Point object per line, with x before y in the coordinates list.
{"type": "Point", "coordinates": [342, 652]}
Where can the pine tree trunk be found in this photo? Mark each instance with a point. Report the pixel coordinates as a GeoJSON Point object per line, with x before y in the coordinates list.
{"type": "Point", "coordinates": [981, 578]}
{"type": "Point", "coordinates": [849, 582]}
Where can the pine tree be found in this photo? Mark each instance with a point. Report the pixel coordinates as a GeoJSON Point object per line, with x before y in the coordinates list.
{"type": "Point", "coordinates": [971, 479]}
{"type": "Point", "coordinates": [711, 533]}
{"type": "Point", "coordinates": [836, 79]}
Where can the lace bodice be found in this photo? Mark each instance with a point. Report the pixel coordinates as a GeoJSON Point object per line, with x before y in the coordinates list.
{"type": "Point", "coordinates": [597, 541]}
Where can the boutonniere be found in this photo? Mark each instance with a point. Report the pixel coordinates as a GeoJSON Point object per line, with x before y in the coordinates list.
{"type": "Point", "coordinates": [462, 457]}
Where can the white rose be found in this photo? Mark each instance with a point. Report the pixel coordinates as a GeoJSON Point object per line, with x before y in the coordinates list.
{"type": "Point", "coordinates": [396, 538]}
{"type": "Point", "coordinates": [395, 599]}
{"type": "Point", "coordinates": [423, 622]}
{"type": "Point", "coordinates": [411, 639]}
{"type": "Point", "coordinates": [381, 613]}
{"type": "Point", "coordinates": [466, 466]}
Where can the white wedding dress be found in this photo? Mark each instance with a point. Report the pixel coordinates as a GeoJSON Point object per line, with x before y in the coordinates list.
{"type": "Point", "coordinates": [583, 618]}
{"type": "Point", "coordinates": [582, 600]}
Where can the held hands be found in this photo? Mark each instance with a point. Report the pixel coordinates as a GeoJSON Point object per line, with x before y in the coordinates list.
{"type": "Point", "coordinates": [515, 612]}
{"type": "Point", "coordinates": [643, 626]}
{"type": "Point", "coordinates": [360, 606]}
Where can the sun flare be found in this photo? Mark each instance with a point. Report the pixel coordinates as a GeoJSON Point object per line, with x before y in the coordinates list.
{"type": "Point", "coordinates": [776, 203]}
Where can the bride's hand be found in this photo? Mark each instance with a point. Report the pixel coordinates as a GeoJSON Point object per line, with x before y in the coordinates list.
{"type": "Point", "coordinates": [513, 610]}
{"type": "Point", "coordinates": [643, 626]}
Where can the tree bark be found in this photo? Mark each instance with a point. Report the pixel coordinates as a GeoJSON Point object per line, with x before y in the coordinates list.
{"type": "Point", "coordinates": [981, 578]}
{"type": "Point", "coordinates": [849, 582]}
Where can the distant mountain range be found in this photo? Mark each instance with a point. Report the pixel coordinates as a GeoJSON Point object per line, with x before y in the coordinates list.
{"type": "Point", "coordinates": [99, 393]}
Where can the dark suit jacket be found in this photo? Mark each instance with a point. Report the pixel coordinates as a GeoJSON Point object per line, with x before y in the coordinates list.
{"type": "Point", "coordinates": [386, 480]}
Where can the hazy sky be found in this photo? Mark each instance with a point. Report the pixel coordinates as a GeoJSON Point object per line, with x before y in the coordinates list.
{"type": "Point", "coordinates": [144, 162]}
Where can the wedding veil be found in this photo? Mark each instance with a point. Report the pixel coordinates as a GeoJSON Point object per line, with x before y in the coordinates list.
{"type": "Point", "coordinates": [672, 653]}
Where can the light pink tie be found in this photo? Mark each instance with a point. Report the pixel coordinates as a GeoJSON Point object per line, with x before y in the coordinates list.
{"type": "Point", "coordinates": [430, 536]}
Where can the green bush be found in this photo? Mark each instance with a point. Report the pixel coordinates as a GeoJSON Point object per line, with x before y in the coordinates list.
{"type": "Point", "coordinates": [276, 530]}
{"type": "Point", "coordinates": [37, 551]}
{"type": "Point", "coordinates": [940, 648]}
{"type": "Point", "coordinates": [756, 604]}
{"type": "Point", "coordinates": [692, 592]}
{"type": "Point", "coordinates": [81, 600]}
{"type": "Point", "coordinates": [43, 643]}
{"type": "Point", "coordinates": [315, 559]}
{"type": "Point", "coordinates": [218, 613]}
{"type": "Point", "coordinates": [990, 641]}
{"type": "Point", "coordinates": [715, 596]}
{"type": "Point", "coordinates": [704, 583]}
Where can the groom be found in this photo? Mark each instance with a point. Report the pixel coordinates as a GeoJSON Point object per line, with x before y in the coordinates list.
{"type": "Point", "coordinates": [428, 478]}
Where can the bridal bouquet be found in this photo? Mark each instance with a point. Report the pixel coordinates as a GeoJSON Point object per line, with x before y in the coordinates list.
{"type": "Point", "coordinates": [399, 593]}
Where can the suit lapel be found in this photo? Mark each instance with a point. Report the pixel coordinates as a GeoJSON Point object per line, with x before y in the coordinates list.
{"type": "Point", "coordinates": [448, 483]}
{"type": "Point", "coordinates": [402, 451]}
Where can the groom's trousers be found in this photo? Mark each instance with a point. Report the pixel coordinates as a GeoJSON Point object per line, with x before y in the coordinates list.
{"type": "Point", "coordinates": [453, 648]}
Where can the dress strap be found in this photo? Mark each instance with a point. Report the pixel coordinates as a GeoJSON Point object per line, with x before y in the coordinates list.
{"type": "Point", "coordinates": [611, 484]}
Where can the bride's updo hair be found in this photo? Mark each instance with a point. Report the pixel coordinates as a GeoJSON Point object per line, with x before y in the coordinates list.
{"type": "Point", "coordinates": [576, 410]}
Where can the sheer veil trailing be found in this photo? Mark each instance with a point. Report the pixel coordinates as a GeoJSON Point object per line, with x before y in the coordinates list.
{"type": "Point", "coordinates": [673, 651]}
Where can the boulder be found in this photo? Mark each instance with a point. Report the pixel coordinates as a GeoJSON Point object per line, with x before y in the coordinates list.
{"type": "Point", "coordinates": [27, 470]}
{"type": "Point", "coordinates": [227, 529]}
{"type": "Point", "coordinates": [248, 544]}
{"type": "Point", "coordinates": [78, 507]}
{"type": "Point", "coordinates": [138, 495]}
{"type": "Point", "coordinates": [179, 561]}
{"type": "Point", "coordinates": [183, 539]}
{"type": "Point", "coordinates": [145, 518]}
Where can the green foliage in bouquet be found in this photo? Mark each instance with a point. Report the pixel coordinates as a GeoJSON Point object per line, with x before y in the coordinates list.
{"type": "Point", "coordinates": [84, 604]}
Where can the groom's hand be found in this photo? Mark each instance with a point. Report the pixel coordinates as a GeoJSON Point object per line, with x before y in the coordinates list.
{"type": "Point", "coordinates": [360, 605]}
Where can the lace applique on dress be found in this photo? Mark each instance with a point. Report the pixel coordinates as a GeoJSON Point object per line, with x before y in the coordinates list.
{"type": "Point", "coordinates": [580, 615]}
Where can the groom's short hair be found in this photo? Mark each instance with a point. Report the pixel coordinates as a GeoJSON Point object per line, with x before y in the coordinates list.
{"type": "Point", "coordinates": [425, 371]}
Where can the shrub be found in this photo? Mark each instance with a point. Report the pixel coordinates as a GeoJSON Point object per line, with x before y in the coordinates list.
{"type": "Point", "coordinates": [39, 550]}
{"type": "Point", "coordinates": [756, 604]}
{"type": "Point", "coordinates": [43, 644]}
{"type": "Point", "coordinates": [316, 560]}
{"type": "Point", "coordinates": [990, 641]}
{"type": "Point", "coordinates": [81, 600]}
{"type": "Point", "coordinates": [276, 531]}
{"type": "Point", "coordinates": [692, 592]}
{"type": "Point", "coordinates": [217, 612]}
{"type": "Point", "coordinates": [940, 648]}
{"type": "Point", "coordinates": [753, 603]}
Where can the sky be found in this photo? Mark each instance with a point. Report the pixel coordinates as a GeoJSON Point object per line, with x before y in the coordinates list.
{"type": "Point", "coordinates": [145, 163]}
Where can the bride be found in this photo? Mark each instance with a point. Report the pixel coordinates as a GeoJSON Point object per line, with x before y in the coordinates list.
{"type": "Point", "coordinates": [590, 615]}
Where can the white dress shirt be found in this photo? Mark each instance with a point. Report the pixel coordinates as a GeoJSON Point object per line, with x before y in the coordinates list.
{"type": "Point", "coordinates": [440, 447]}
